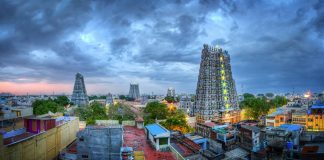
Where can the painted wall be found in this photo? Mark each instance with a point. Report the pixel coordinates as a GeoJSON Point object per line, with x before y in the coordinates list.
{"type": "Point", "coordinates": [43, 146]}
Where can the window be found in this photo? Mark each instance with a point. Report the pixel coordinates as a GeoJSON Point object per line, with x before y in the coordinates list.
{"type": "Point", "coordinates": [84, 156]}
{"type": "Point", "coordinates": [163, 141]}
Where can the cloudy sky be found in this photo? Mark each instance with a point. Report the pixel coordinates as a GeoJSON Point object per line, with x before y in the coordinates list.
{"type": "Point", "coordinates": [275, 46]}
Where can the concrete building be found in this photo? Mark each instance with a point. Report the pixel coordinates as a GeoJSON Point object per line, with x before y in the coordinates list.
{"type": "Point", "coordinates": [312, 151]}
{"type": "Point", "coordinates": [23, 145]}
{"type": "Point", "coordinates": [79, 95]}
{"type": "Point", "coordinates": [315, 118]}
{"type": "Point", "coordinates": [186, 105]}
{"type": "Point", "coordinates": [312, 119]}
{"type": "Point", "coordinates": [100, 142]}
{"type": "Point", "coordinates": [225, 134]}
{"type": "Point", "coordinates": [277, 118]}
{"type": "Point", "coordinates": [250, 138]}
{"type": "Point", "coordinates": [134, 91]}
{"type": "Point", "coordinates": [158, 135]}
{"type": "Point", "coordinates": [216, 97]}
{"type": "Point", "coordinates": [277, 138]}
{"type": "Point", "coordinates": [184, 148]}
{"type": "Point", "coordinates": [139, 122]}
{"type": "Point", "coordinates": [171, 92]}
{"type": "Point", "coordinates": [205, 129]}
{"type": "Point", "coordinates": [295, 130]}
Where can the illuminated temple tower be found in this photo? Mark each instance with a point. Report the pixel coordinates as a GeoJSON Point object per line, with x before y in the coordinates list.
{"type": "Point", "coordinates": [216, 97]}
{"type": "Point", "coordinates": [79, 95]}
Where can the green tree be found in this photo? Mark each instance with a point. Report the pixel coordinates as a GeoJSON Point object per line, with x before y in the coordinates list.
{"type": "Point", "coordinates": [248, 95]}
{"type": "Point", "coordinates": [44, 106]}
{"type": "Point", "coordinates": [91, 113]}
{"type": "Point", "coordinates": [270, 95]}
{"type": "Point", "coordinates": [156, 110]}
{"type": "Point", "coordinates": [62, 100]}
{"type": "Point", "coordinates": [170, 99]}
{"type": "Point", "coordinates": [278, 101]}
{"type": "Point", "coordinates": [255, 107]}
{"type": "Point", "coordinates": [177, 121]}
{"type": "Point", "coordinates": [122, 97]}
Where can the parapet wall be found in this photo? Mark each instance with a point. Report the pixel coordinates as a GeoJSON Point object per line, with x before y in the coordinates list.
{"type": "Point", "coordinates": [46, 145]}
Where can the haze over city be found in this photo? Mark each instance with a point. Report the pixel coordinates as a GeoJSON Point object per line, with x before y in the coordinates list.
{"type": "Point", "coordinates": [275, 46]}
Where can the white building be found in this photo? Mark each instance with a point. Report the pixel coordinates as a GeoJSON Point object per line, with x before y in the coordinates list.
{"type": "Point", "coordinates": [158, 135]}
{"type": "Point", "coordinates": [171, 92]}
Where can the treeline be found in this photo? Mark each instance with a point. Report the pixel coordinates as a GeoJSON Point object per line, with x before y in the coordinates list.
{"type": "Point", "coordinates": [174, 119]}
{"type": "Point", "coordinates": [91, 113]}
{"type": "Point", "coordinates": [120, 112]}
{"type": "Point", "coordinates": [44, 106]}
{"type": "Point", "coordinates": [257, 106]}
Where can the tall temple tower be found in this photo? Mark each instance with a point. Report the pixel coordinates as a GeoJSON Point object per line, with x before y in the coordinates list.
{"type": "Point", "coordinates": [109, 99]}
{"type": "Point", "coordinates": [216, 97]}
{"type": "Point", "coordinates": [79, 95]}
{"type": "Point", "coordinates": [171, 92]}
{"type": "Point", "coordinates": [134, 91]}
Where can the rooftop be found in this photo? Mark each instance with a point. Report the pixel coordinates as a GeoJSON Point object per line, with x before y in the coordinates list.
{"type": "Point", "coordinates": [156, 129]}
{"type": "Point", "coordinates": [313, 148]}
{"type": "Point", "coordinates": [291, 127]}
{"type": "Point", "coordinates": [277, 112]}
{"type": "Point", "coordinates": [19, 135]}
{"type": "Point", "coordinates": [136, 138]}
{"type": "Point", "coordinates": [317, 107]}
{"type": "Point", "coordinates": [209, 124]}
{"type": "Point", "coordinates": [252, 128]}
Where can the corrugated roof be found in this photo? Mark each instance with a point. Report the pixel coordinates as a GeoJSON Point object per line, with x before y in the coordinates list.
{"type": "Point", "coordinates": [291, 127]}
{"type": "Point", "coordinates": [155, 129]}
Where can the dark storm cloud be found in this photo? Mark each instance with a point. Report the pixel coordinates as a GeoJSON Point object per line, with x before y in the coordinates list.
{"type": "Point", "coordinates": [274, 45]}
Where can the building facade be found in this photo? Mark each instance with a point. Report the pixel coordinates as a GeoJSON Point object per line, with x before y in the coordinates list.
{"type": "Point", "coordinates": [79, 95]}
{"type": "Point", "coordinates": [250, 137]}
{"type": "Point", "coordinates": [44, 145]}
{"type": "Point", "coordinates": [100, 142]}
{"type": "Point", "coordinates": [134, 91]}
{"type": "Point", "coordinates": [216, 97]}
{"type": "Point", "coordinates": [186, 104]}
{"type": "Point", "coordinates": [171, 92]}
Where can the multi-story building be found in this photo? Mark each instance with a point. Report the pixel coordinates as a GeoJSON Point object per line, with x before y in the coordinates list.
{"type": "Point", "coordinates": [225, 134]}
{"type": "Point", "coordinates": [171, 92]}
{"type": "Point", "coordinates": [45, 143]}
{"type": "Point", "coordinates": [299, 117]}
{"type": "Point", "coordinates": [312, 118]}
{"type": "Point", "coordinates": [277, 118]}
{"type": "Point", "coordinates": [315, 118]}
{"type": "Point", "coordinates": [186, 104]}
{"type": "Point", "coordinates": [134, 91]}
{"type": "Point", "coordinates": [216, 97]}
{"type": "Point", "coordinates": [79, 95]}
{"type": "Point", "coordinates": [250, 137]}
{"type": "Point", "coordinates": [100, 142]}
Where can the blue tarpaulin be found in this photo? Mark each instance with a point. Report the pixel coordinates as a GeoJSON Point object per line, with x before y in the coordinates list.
{"type": "Point", "coordinates": [291, 127]}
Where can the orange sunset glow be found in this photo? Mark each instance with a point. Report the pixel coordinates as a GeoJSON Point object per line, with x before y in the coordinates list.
{"type": "Point", "coordinates": [34, 88]}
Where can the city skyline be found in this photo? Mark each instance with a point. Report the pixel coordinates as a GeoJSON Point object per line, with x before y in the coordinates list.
{"type": "Point", "coordinates": [275, 46]}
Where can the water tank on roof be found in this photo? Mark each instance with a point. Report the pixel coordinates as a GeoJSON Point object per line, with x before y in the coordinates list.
{"type": "Point", "coordinates": [290, 145]}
